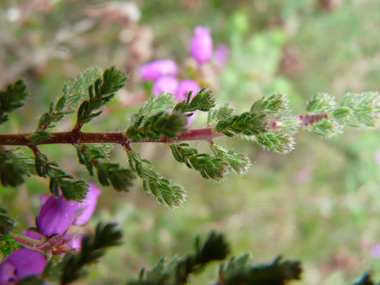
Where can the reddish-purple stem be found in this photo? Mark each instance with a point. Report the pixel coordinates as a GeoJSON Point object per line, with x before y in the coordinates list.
{"type": "Point", "coordinates": [77, 137]}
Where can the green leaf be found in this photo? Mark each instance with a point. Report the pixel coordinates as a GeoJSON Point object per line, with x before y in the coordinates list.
{"type": "Point", "coordinates": [238, 162]}
{"type": "Point", "coordinates": [6, 222]}
{"type": "Point", "coordinates": [153, 106]}
{"type": "Point", "coordinates": [158, 125]}
{"type": "Point", "coordinates": [166, 192]}
{"type": "Point", "coordinates": [321, 103]}
{"type": "Point", "coordinates": [12, 170]}
{"type": "Point", "coordinates": [121, 179]}
{"type": "Point", "coordinates": [40, 163]}
{"type": "Point", "coordinates": [277, 142]}
{"type": "Point", "coordinates": [247, 123]}
{"type": "Point", "coordinates": [73, 265]}
{"type": "Point", "coordinates": [214, 167]}
{"type": "Point", "coordinates": [12, 98]}
{"type": "Point", "coordinates": [275, 103]}
{"type": "Point", "coordinates": [74, 190]}
{"type": "Point", "coordinates": [203, 101]}
{"type": "Point", "coordinates": [178, 270]}
{"type": "Point", "coordinates": [77, 89]}
{"type": "Point", "coordinates": [220, 114]}
{"type": "Point", "coordinates": [276, 273]}
{"type": "Point", "coordinates": [113, 81]}
{"type": "Point", "coordinates": [100, 93]}
{"type": "Point", "coordinates": [325, 127]}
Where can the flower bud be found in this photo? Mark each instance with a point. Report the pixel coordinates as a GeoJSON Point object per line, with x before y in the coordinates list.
{"type": "Point", "coordinates": [154, 70]}
{"type": "Point", "coordinates": [56, 216]}
{"type": "Point", "coordinates": [201, 45]}
{"type": "Point", "coordinates": [87, 207]}
{"type": "Point", "coordinates": [185, 87]}
{"type": "Point", "coordinates": [21, 264]}
{"type": "Point", "coordinates": [166, 84]}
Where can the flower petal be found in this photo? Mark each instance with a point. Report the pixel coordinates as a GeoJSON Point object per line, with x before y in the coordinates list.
{"type": "Point", "coordinates": [20, 264]}
{"type": "Point", "coordinates": [56, 216]}
{"type": "Point", "coordinates": [154, 70]}
{"type": "Point", "coordinates": [185, 87]}
{"type": "Point", "coordinates": [166, 84]}
{"type": "Point", "coordinates": [201, 45]}
{"type": "Point", "coordinates": [34, 235]}
{"type": "Point", "coordinates": [87, 207]}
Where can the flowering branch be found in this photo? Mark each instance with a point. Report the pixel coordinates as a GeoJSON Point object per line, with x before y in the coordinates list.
{"type": "Point", "coordinates": [163, 119]}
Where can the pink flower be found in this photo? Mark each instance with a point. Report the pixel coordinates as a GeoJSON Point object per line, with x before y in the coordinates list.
{"type": "Point", "coordinates": [201, 45]}
{"type": "Point", "coordinates": [87, 207]}
{"type": "Point", "coordinates": [375, 251]}
{"type": "Point", "coordinates": [154, 70]}
{"type": "Point", "coordinates": [221, 55]}
{"type": "Point", "coordinates": [21, 264]}
{"type": "Point", "coordinates": [56, 216]}
{"type": "Point", "coordinates": [185, 87]}
{"type": "Point", "coordinates": [166, 84]}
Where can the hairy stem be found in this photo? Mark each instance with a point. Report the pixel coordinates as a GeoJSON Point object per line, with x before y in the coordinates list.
{"type": "Point", "coordinates": [77, 137]}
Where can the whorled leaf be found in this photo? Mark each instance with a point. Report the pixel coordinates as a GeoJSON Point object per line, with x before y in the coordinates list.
{"type": "Point", "coordinates": [166, 192]}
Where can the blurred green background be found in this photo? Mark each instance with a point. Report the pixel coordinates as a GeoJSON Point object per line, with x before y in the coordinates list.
{"type": "Point", "coordinates": [319, 204]}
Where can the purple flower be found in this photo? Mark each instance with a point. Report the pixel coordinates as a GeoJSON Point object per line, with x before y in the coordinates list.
{"type": "Point", "coordinates": [21, 264]}
{"type": "Point", "coordinates": [87, 207]}
{"type": "Point", "coordinates": [166, 84]}
{"type": "Point", "coordinates": [201, 45]}
{"type": "Point", "coordinates": [154, 70]}
{"type": "Point", "coordinates": [221, 55]}
{"type": "Point", "coordinates": [56, 216]}
{"type": "Point", "coordinates": [185, 87]}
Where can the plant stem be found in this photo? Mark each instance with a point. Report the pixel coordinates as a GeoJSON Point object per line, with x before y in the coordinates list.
{"type": "Point", "coordinates": [75, 137]}
{"type": "Point", "coordinates": [78, 137]}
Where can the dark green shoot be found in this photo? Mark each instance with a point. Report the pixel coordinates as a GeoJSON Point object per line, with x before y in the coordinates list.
{"type": "Point", "coordinates": [100, 93]}
{"type": "Point", "coordinates": [241, 271]}
{"type": "Point", "coordinates": [60, 181]}
{"type": "Point", "coordinates": [178, 271]}
{"type": "Point", "coordinates": [108, 173]}
{"type": "Point", "coordinates": [238, 163]}
{"type": "Point", "coordinates": [6, 222]}
{"type": "Point", "coordinates": [158, 125]}
{"type": "Point", "coordinates": [202, 101]}
{"type": "Point", "coordinates": [12, 98]}
{"type": "Point", "coordinates": [72, 92]}
{"type": "Point", "coordinates": [14, 166]}
{"type": "Point", "coordinates": [214, 167]}
{"type": "Point", "coordinates": [166, 192]}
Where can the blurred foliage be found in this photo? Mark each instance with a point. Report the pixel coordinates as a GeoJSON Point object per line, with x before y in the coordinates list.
{"type": "Point", "coordinates": [319, 204]}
